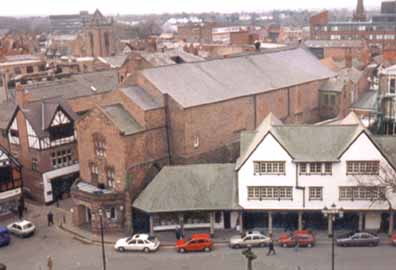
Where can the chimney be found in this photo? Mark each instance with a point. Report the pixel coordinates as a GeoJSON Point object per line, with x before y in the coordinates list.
{"type": "Point", "coordinates": [21, 95]}
{"type": "Point", "coordinates": [348, 58]}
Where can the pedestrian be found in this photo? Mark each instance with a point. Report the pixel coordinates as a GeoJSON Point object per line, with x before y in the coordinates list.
{"type": "Point", "coordinates": [50, 218]}
{"type": "Point", "coordinates": [177, 232]}
{"type": "Point", "coordinates": [20, 211]}
{"type": "Point", "coordinates": [271, 248]}
{"type": "Point", "coordinates": [50, 264]}
{"type": "Point", "coordinates": [297, 245]}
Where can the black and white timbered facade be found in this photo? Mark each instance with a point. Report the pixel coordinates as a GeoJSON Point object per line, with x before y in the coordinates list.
{"type": "Point", "coordinates": [46, 130]}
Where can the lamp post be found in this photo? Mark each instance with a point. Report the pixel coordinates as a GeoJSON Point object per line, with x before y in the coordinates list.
{"type": "Point", "coordinates": [101, 212]}
{"type": "Point", "coordinates": [331, 213]}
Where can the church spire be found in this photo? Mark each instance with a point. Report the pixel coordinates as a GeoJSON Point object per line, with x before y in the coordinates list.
{"type": "Point", "coordinates": [360, 14]}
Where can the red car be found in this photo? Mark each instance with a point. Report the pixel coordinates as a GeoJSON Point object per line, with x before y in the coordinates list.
{"type": "Point", "coordinates": [303, 238]}
{"type": "Point", "coordinates": [393, 239]}
{"type": "Point", "coordinates": [198, 242]}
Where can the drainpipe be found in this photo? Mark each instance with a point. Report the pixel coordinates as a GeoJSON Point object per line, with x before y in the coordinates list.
{"type": "Point", "coordinates": [300, 187]}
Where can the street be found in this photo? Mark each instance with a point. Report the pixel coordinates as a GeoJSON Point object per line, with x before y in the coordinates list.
{"type": "Point", "coordinates": [70, 254]}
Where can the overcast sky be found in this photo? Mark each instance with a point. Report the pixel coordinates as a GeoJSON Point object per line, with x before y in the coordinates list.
{"type": "Point", "coordinates": [45, 7]}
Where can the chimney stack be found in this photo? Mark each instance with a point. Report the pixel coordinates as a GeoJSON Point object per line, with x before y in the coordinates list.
{"type": "Point", "coordinates": [21, 95]}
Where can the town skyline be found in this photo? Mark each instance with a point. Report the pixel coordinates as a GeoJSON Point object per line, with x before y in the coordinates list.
{"type": "Point", "coordinates": [47, 7]}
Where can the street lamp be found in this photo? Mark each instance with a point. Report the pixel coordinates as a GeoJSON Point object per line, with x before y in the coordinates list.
{"type": "Point", "coordinates": [331, 213]}
{"type": "Point", "coordinates": [101, 212]}
{"type": "Point", "coordinates": [250, 256]}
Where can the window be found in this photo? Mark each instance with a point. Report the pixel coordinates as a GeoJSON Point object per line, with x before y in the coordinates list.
{"type": "Point", "coordinates": [34, 164]}
{"type": "Point", "coordinates": [29, 69]}
{"type": "Point", "coordinates": [110, 173]}
{"type": "Point", "coordinates": [392, 86]}
{"type": "Point", "coordinates": [112, 213]}
{"type": "Point", "coordinates": [269, 167]}
{"type": "Point", "coordinates": [270, 193]}
{"type": "Point", "coordinates": [315, 168]}
{"type": "Point", "coordinates": [17, 71]}
{"type": "Point", "coordinates": [62, 158]}
{"type": "Point", "coordinates": [99, 145]}
{"type": "Point", "coordinates": [366, 167]}
{"type": "Point", "coordinates": [315, 193]}
{"type": "Point", "coordinates": [361, 193]}
{"type": "Point", "coordinates": [94, 172]}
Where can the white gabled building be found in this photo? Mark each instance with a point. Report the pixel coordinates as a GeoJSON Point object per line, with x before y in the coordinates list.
{"type": "Point", "coordinates": [288, 173]}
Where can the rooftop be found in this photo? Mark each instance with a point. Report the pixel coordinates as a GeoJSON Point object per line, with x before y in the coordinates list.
{"type": "Point", "coordinates": [190, 188]}
{"type": "Point", "coordinates": [122, 119]}
{"type": "Point", "coordinates": [205, 82]}
{"type": "Point", "coordinates": [139, 96]}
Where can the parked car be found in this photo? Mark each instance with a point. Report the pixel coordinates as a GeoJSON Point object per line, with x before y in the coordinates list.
{"type": "Point", "coordinates": [303, 238]}
{"type": "Point", "coordinates": [249, 239]}
{"type": "Point", "coordinates": [198, 242]}
{"type": "Point", "coordinates": [22, 228]}
{"type": "Point", "coordinates": [393, 239]}
{"type": "Point", "coordinates": [358, 239]}
{"type": "Point", "coordinates": [4, 236]}
{"type": "Point", "coordinates": [138, 242]}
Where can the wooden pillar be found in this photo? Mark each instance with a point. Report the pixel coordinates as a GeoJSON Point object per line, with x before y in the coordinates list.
{"type": "Point", "coordinates": [151, 225]}
{"type": "Point", "coordinates": [300, 220]}
{"type": "Point", "coordinates": [212, 221]}
{"type": "Point", "coordinates": [361, 215]}
{"type": "Point", "coordinates": [270, 223]}
{"type": "Point", "coordinates": [241, 221]}
{"type": "Point", "coordinates": [391, 222]}
{"type": "Point", "coordinates": [181, 223]}
{"type": "Point", "coordinates": [330, 225]}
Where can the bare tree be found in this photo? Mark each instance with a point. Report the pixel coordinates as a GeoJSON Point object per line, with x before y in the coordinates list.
{"type": "Point", "coordinates": [381, 188]}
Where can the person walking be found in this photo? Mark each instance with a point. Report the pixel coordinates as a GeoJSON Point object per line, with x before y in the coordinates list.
{"type": "Point", "coordinates": [50, 218]}
{"type": "Point", "coordinates": [177, 232]}
{"type": "Point", "coordinates": [271, 248]}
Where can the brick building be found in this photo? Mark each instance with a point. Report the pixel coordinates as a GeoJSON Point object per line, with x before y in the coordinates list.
{"type": "Point", "coordinates": [379, 31]}
{"type": "Point", "coordinates": [37, 122]}
{"type": "Point", "coordinates": [196, 32]}
{"type": "Point", "coordinates": [124, 145]}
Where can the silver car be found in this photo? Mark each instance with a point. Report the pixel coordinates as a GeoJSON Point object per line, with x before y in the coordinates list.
{"type": "Point", "coordinates": [22, 228]}
{"type": "Point", "coordinates": [252, 239]}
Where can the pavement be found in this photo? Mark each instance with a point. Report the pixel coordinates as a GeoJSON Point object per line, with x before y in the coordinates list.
{"type": "Point", "coordinates": [63, 221]}
{"type": "Point", "coordinates": [69, 254]}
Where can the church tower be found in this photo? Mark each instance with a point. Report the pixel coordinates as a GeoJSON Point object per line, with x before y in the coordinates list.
{"type": "Point", "coordinates": [99, 36]}
{"type": "Point", "coordinates": [360, 14]}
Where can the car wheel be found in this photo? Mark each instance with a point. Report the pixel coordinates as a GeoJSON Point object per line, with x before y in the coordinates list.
{"type": "Point", "coordinates": [182, 250]}
{"type": "Point", "coordinates": [237, 246]}
{"type": "Point", "coordinates": [121, 249]}
{"type": "Point", "coordinates": [207, 249]}
{"type": "Point", "coordinates": [309, 245]}
{"type": "Point", "coordinates": [262, 244]}
{"type": "Point", "coordinates": [284, 245]}
{"type": "Point", "coordinates": [146, 250]}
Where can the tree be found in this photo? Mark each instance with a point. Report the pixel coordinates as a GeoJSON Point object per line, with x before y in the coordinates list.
{"type": "Point", "coordinates": [382, 188]}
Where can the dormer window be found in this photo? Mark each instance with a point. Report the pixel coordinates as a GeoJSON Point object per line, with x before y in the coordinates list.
{"type": "Point", "coordinates": [61, 127]}
{"type": "Point", "coordinates": [13, 133]}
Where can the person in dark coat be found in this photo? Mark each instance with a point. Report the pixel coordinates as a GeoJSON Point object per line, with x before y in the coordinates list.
{"type": "Point", "coordinates": [178, 232]}
{"type": "Point", "coordinates": [271, 248]}
{"type": "Point", "coordinates": [50, 218]}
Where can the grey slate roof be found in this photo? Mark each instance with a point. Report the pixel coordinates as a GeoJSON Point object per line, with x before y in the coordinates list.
{"type": "Point", "coordinates": [367, 102]}
{"type": "Point", "coordinates": [190, 188]}
{"type": "Point", "coordinates": [80, 85]}
{"type": "Point", "coordinates": [114, 61]}
{"type": "Point", "coordinates": [7, 109]}
{"type": "Point", "coordinates": [205, 82]}
{"type": "Point", "coordinates": [388, 145]}
{"type": "Point", "coordinates": [165, 58]}
{"type": "Point", "coordinates": [316, 143]}
{"type": "Point", "coordinates": [40, 113]}
{"type": "Point", "coordinates": [334, 43]}
{"type": "Point", "coordinates": [122, 119]}
{"type": "Point", "coordinates": [304, 143]}
{"type": "Point", "coordinates": [139, 96]}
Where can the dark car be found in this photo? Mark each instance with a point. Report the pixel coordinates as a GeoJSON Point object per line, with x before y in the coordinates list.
{"type": "Point", "coordinates": [358, 239]}
{"type": "Point", "coordinates": [4, 236]}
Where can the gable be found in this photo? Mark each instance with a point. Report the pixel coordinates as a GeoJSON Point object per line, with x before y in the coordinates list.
{"type": "Point", "coordinates": [60, 118]}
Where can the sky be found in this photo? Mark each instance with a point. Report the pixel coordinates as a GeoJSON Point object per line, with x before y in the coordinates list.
{"type": "Point", "coordinates": [113, 7]}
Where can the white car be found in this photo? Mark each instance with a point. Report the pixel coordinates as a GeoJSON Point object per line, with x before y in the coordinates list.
{"type": "Point", "coordinates": [251, 239]}
{"type": "Point", "coordinates": [22, 228]}
{"type": "Point", "coordinates": [138, 242]}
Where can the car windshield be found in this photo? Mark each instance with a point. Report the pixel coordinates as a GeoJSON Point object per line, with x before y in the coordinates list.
{"type": "Point", "coordinates": [27, 226]}
{"type": "Point", "coordinates": [152, 238]}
